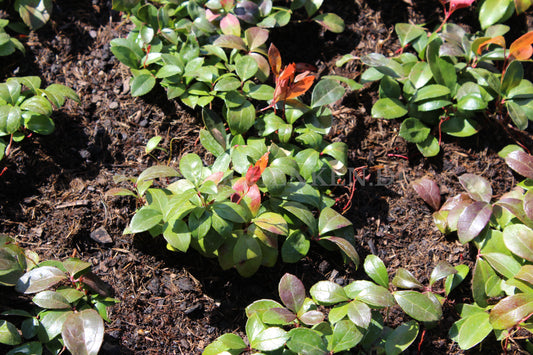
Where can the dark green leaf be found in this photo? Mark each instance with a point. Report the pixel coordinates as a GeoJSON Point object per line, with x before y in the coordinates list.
{"type": "Point", "coordinates": [422, 307]}
{"type": "Point", "coordinates": [326, 92]}
{"type": "Point", "coordinates": [328, 293]}
{"type": "Point", "coordinates": [306, 341]}
{"type": "Point", "coordinates": [388, 108]}
{"type": "Point", "coordinates": [142, 83]}
{"type": "Point", "coordinates": [377, 271]}
{"type": "Point", "coordinates": [401, 338]}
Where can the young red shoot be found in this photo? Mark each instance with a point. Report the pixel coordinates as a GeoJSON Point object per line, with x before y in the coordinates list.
{"type": "Point", "coordinates": [246, 186]}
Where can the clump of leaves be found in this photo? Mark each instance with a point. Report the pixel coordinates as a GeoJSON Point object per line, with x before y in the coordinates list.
{"type": "Point", "coordinates": [25, 107]}
{"type": "Point", "coordinates": [497, 11]}
{"type": "Point", "coordinates": [337, 319]}
{"type": "Point", "coordinates": [69, 303]}
{"type": "Point", "coordinates": [456, 81]}
{"type": "Point", "coordinates": [502, 231]}
{"type": "Point", "coordinates": [201, 50]}
{"type": "Point", "coordinates": [8, 44]}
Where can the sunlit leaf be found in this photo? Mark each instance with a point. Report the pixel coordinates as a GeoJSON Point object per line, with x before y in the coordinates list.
{"type": "Point", "coordinates": [429, 191]}
{"type": "Point", "coordinates": [83, 332]}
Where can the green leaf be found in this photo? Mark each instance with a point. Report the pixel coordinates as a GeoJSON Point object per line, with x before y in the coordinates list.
{"type": "Point", "coordinates": [503, 264]}
{"type": "Point", "coordinates": [513, 76]}
{"type": "Point", "coordinates": [414, 131]}
{"type": "Point", "coordinates": [388, 108]}
{"type": "Point", "coordinates": [471, 330]}
{"type": "Point", "coordinates": [272, 222]}
{"type": "Point", "coordinates": [269, 339]}
{"type": "Point", "coordinates": [10, 91]}
{"type": "Point", "coordinates": [177, 234]}
{"type": "Point", "coordinates": [326, 92]}
{"type": "Point", "coordinates": [330, 22]}
{"type": "Point", "coordinates": [442, 270]}
{"type": "Point", "coordinates": [431, 92]}
{"type": "Point", "coordinates": [274, 180]}
{"type": "Point", "coordinates": [359, 313]}
{"type": "Point", "coordinates": [511, 310]}
{"type": "Point", "coordinates": [482, 272]}
{"type": "Point", "coordinates": [346, 335]}
{"type": "Point", "coordinates": [369, 293]}
{"type": "Point", "coordinates": [8, 333]}
{"type": "Point", "coordinates": [328, 293]}
{"type": "Point", "coordinates": [344, 245]}
{"type": "Point", "coordinates": [420, 74]}
{"type": "Point", "coordinates": [145, 219]}
{"type": "Point", "coordinates": [83, 332]}
{"type": "Point", "coordinates": [231, 211]}
{"type": "Point", "coordinates": [295, 247]}
{"type": "Point", "coordinates": [34, 13]}
{"type": "Point", "coordinates": [452, 281]}
{"type": "Point", "coordinates": [37, 104]}
{"type": "Point", "coordinates": [246, 67]}
{"type": "Point", "coordinates": [39, 279]}
{"type": "Point", "coordinates": [40, 124]}
{"type": "Point", "coordinates": [352, 84]}
{"type": "Point", "coordinates": [405, 279]}
{"type": "Point", "coordinates": [494, 11]}
{"type": "Point", "coordinates": [519, 239]}
{"type": "Point", "coordinates": [460, 126]}
{"type": "Point", "coordinates": [331, 220]}
{"type": "Point", "coordinates": [307, 161]}
{"type": "Point", "coordinates": [120, 47]}
{"type": "Point", "coordinates": [191, 168]}
{"type": "Point", "coordinates": [408, 32]}
{"type": "Point", "coordinates": [52, 323]}
{"type": "Point", "coordinates": [31, 348]}
{"type": "Point", "coordinates": [142, 83]}
{"type": "Point", "coordinates": [10, 119]}
{"type": "Point", "coordinates": [518, 115]}
{"type": "Point", "coordinates": [338, 151]}
{"type": "Point", "coordinates": [472, 102]}
{"type": "Point", "coordinates": [443, 71]}
{"type": "Point", "coordinates": [306, 341]}
{"type": "Point", "coordinates": [430, 147]}
{"type": "Point", "coordinates": [51, 300]}
{"type": "Point", "coordinates": [422, 307]}
{"type": "Point", "coordinates": [247, 256]}
{"type": "Point", "coordinates": [240, 118]}
{"type": "Point", "coordinates": [376, 270]}
{"type": "Point", "coordinates": [291, 292]}
{"type": "Point", "coordinates": [401, 338]}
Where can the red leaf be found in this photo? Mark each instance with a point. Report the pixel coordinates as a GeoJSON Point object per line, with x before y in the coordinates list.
{"type": "Point", "coordinates": [520, 162]}
{"type": "Point", "coordinates": [253, 198]}
{"type": "Point", "coordinates": [254, 172]}
{"type": "Point", "coordinates": [498, 40]}
{"type": "Point", "coordinates": [300, 86]}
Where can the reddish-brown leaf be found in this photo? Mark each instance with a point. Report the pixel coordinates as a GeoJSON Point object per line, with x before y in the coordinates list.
{"type": "Point", "coordinates": [521, 48]}
{"type": "Point", "coordinates": [300, 86]}
{"type": "Point", "coordinates": [499, 40]}
{"type": "Point", "coordinates": [429, 191]}
{"type": "Point", "coordinates": [274, 58]}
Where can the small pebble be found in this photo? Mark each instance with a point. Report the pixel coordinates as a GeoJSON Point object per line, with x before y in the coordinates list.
{"type": "Point", "coordinates": [113, 105]}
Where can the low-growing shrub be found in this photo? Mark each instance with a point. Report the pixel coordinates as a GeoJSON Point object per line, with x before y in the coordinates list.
{"type": "Point", "coordinates": [455, 82]}
{"type": "Point", "coordinates": [502, 232]}
{"type": "Point", "coordinates": [24, 107]}
{"type": "Point", "coordinates": [337, 319]}
{"type": "Point", "coordinates": [68, 308]}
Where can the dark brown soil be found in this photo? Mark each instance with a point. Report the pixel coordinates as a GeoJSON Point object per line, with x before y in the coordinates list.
{"type": "Point", "coordinates": [53, 190]}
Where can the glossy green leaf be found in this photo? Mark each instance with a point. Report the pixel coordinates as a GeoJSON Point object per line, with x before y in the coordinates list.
{"type": "Point", "coordinates": [306, 341]}
{"type": "Point", "coordinates": [142, 83]}
{"type": "Point", "coordinates": [8, 333]}
{"type": "Point", "coordinates": [401, 338]}
{"type": "Point", "coordinates": [405, 279]}
{"type": "Point", "coordinates": [511, 310]}
{"type": "Point", "coordinates": [331, 220]}
{"type": "Point", "coordinates": [519, 239]}
{"type": "Point", "coordinates": [431, 92]}
{"type": "Point", "coordinates": [452, 281]}
{"type": "Point", "coordinates": [422, 307]}
{"type": "Point", "coordinates": [388, 108]}
{"type": "Point", "coordinates": [40, 124]}
{"type": "Point", "coordinates": [241, 118]}
{"type": "Point", "coordinates": [39, 279]}
{"type": "Point", "coordinates": [246, 67]}
{"type": "Point", "coordinates": [291, 292]}
{"type": "Point", "coordinates": [414, 131]}
{"type": "Point", "coordinates": [494, 11]}
{"type": "Point", "coordinates": [269, 339]}
{"type": "Point", "coordinates": [517, 114]}
{"type": "Point", "coordinates": [51, 300]}
{"type": "Point", "coordinates": [478, 187]}
{"type": "Point", "coordinates": [33, 348]}
{"type": "Point", "coordinates": [359, 313]}
{"type": "Point", "coordinates": [83, 332]}
{"type": "Point", "coordinates": [145, 219]}
{"type": "Point", "coordinates": [34, 13]}
{"type": "Point", "coordinates": [307, 161]}
{"type": "Point", "coordinates": [177, 234]}
{"type": "Point", "coordinates": [10, 119]}
{"type": "Point", "coordinates": [459, 125]}
{"type": "Point", "coordinates": [295, 247]}
{"type": "Point", "coordinates": [328, 293]}
{"type": "Point", "coordinates": [442, 270]}
{"type": "Point", "coordinates": [376, 270]}
{"type": "Point", "coordinates": [471, 330]}
{"type": "Point", "coordinates": [420, 74]}
{"type": "Point", "coordinates": [369, 293]}
{"type": "Point", "coordinates": [331, 22]}
{"type": "Point", "coordinates": [274, 180]}
{"type": "Point", "coordinates": [346, 335]}
{"type": "Point", "coordinates": [326, 92]}
{"type": "Point", "coordinates": [272, 222]}
{"type": "Point", "coordinates": [247, 256]}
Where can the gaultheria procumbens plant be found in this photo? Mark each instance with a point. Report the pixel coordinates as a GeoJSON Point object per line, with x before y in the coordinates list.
{"type": "Point", "coordinates": [69, 303]}
{"type": "Point", "coordinates": [202, 49]}
{"type": "Point", "coordinates": [262, 192]}
{"type": "Point", "coordinates": [25, 107]}
{"type": "Point", "coordinates": [8, 44]}
{"type": "Point", "coordinates": [337, 319]}
{"type": "Point", "coordinates": [502, 286]}
{"type": "Point", "coordinates": [497, 11]}
{"type": "Point", "coordinates": [455, 82]}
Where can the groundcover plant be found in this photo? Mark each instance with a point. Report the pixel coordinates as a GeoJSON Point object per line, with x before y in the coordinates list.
{"type": "Point", "coordinates": [264, 193]}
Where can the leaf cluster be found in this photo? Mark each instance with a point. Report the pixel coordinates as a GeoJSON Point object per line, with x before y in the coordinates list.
{"type": "Point", "coordinates": [25, 106]}
{"type": "Point", "coordinates": [337, 319]}
{"type": "Point", "coordinates": [455, 82]}
{"type": "Point", "coordinates": [502, 231]}
{"type": "Point", "coordinates": [69, 303]}
{"type": "Point", "coordinates": [202, 50]}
